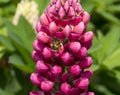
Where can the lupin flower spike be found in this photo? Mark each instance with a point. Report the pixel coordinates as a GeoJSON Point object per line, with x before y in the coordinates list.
{"type": "Point", "coordinates": [61, 50]}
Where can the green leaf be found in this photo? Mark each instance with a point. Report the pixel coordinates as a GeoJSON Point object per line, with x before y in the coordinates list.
{"type": "Point", "coordinates": [108, 16]}
{"type": "Point", "coordinates": [24, 32]}
{"type": "Point", "coordinates": [42, 4]}
{"type": "Point", "coordinates": [114, 8]}
{"type": "Point", "coordinates": [113, 60]}
{"type": "Point", "coordinates": [6, 42]}
{"type": "Point", "coordinates": [107, 44]}
{"type": "Point", "coordinates": [17, 61]}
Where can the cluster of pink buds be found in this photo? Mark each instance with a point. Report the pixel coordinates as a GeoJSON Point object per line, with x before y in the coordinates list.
{"type": "Point", "coordinates": [61, 50]}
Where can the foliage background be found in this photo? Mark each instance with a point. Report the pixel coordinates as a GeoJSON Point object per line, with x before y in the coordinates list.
{"type": "Point", "coordinates": [16, 63]}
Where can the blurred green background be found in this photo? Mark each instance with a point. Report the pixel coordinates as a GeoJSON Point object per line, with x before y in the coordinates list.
{"type": "Point", "coordinates": [16, 41]}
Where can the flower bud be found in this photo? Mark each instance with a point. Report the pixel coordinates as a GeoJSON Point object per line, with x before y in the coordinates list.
{"type": "Point", "coordinates": [42, 67]}
{"type": "Point", "coordinates": [38, 46]}
{"type": "Point", "coordinates": [87, 74]}
{"type": "Point", "coordinates": [36, 56]}
{"type": "Point", "coordinates": [36, 79]}
{"type": "Point", "coordinates": [75, 47]}
{"type": "Point", "coordinates": [67, 59]}
{"type": "Point", "coordinates": [75, 70]}
{"type": "Point", "coordinates": [74, 91]}
{"type": "Point", "coordinates": [67, 30]}
{"type": "Point", "coordinates": [38, 27]}
{"type": "Point", "coordinates": [56, 70]}
{"type": "Point", "coordinates": [36, 93]}
{"type": "Point", "coordinates": [71, 12]}
{"type": "Point", "coordinates": [53, 28]}
{"type": "Point", "coordinates": [44, 20]}
{"type": "Point", "coordinates": [65, 77]}
{"type": "Point", "coordinates": [65, 88]}
{"type": "Point", "coordinates": [87, 37]}
{"type": "Point", "coordinates": [82, 52]}
{"type": "Point", "coordinates": [46, 86]}
{"type": "Point", "coordinates": [47, 54]}
{"type": "Point", "coordinates": [79, 28]}
{"type": "Point", "coordinates": [86, 17]}
{"type": "Point", "coordinates": [86, 62]}
{"type": "Point", "coordinates": [66, 6]}
{"type": "Point", "coordinates": [58, 93]}
{"type": "Point", "coordinates": [81, 83]}
{"type": "Point", "coordinates": [43, 37]}
{"type": "Point", "coordinates": [61, 13]}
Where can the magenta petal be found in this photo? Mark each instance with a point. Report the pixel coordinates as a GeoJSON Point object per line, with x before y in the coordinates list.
{"type": "Point", "coordinates": [86, 17]}
{"type": "Point", "coordinates": [66, 6]}
{"type": "Point", "coordinates": [75, 47]}
{"type": "Point", "coordinates": [71, 12]}
{"type": "Point", "coordinates": [36, 79]}
{"type": "Point", "coordinates": [87, 37]}
{"type": "Point", "coordinates": [38, 27]}
{"type": "Point", "coordinates": [81, 83]}
{"type": "Point", "coordinates": [47, 54]}
{"type": "Point", "coordinates": [86, 62]}
{"type": "Point", "coordinates": [75, 70]}
{"type": "Point", "coordinates": [44, 20]}
{"type": "Point", "coordinates": [67, 30]}
{"type": "Point", "coordinates": [43, 37]}
{"type": "Point", "coordinates": [53, 28]}
{"type": "Point", "coordinates": [61, 13]}
{"type": "Point", "coordinates": [87, 74]}
{"type": "Point", "coordinates": [36, 93]}
{"type": "Point", "coordinates": [56, 70]}
{"type": "Point", "coordinates": [79, 28]}
{"type": "Point", "coordinates": [42, 67]}
{"type": "Point", "coordinates": [65, 88]}
{"type": "Point", "coordinates": [46, 86]}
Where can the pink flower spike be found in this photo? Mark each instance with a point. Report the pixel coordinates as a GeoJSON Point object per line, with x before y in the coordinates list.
{"type": "Point", "coordinates": [75, 47]}
{"type": "Point", "coordinates": [86, 17]}
{"type": "Point", "coordinates": [61, 13]}
{"type": "Point", "coordinates": [43, 37]}
{"type": "Point", "coordinates": [47, 54]}
{"type": "Point", "coordinates": [46, 86]}
{"type": "Point", "coordinates": [79, 28]}
{"type": "Point", "coordinates": [87, 37]}
{"type": "Point", "coordinates": [36, 93]}
{"type": "Point", "coordinates": [53, 28]}
{"type": "Point", "coordinates": [44, 20]}
{"type": "Point", "coordinates": [42, 67]}
{"type": "Point", "coordinates": [67, 30]}
{"type": "Point", "coordinates": [65, 88]}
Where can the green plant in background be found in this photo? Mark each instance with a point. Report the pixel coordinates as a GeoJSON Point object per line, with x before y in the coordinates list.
{"type": "Point", "coordinates": [16, 46]}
